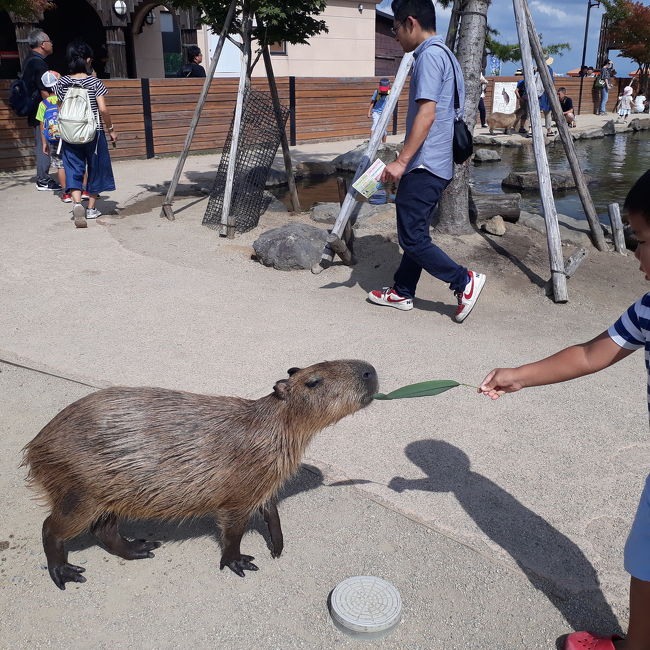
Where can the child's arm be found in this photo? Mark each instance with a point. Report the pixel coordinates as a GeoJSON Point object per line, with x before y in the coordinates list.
{"type": "Point", "coordinates": [372, 105]}
{"type": "Point", "coordinates": [44, 143]}
{"type": "Point", "coordinates": [106, 117]}
{"type": "Point", "coordinates": [570, 363]}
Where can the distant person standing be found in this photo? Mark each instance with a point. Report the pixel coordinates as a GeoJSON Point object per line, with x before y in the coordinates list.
{"type": "Point", "coordinates": [34, 67]}
{"type": "Point", "coordinates": [377, 102]}
{"type": "Point", "coordinates": [425, 165]}
{"type": "Point", "coordinates": [481, 101]}
{"type": "Point", "coordinates": [193, 67]}
{"type": "Point", "coordinates": [606, 75]}
{"type": "Point", "coordinates": [625, 103]}
{"type": "Point", "coordinates": [522, 103]}
{"type": "Point", "coordinates": [544, 101]}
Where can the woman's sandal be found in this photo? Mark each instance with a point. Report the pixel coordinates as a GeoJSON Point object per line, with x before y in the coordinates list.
{"type": "Point", "coordinates": [588, 641]}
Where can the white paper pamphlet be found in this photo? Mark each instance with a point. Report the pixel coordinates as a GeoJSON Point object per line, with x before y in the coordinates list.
{"type": "Point", "coordinates": [368, 183]}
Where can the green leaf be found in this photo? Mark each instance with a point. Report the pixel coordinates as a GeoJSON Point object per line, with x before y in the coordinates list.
{"type": "Point", "coordinates": [423, 389]}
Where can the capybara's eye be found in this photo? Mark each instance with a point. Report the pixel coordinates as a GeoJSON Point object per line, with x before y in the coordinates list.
{"type": "Point", "coordinates": [313, 382]}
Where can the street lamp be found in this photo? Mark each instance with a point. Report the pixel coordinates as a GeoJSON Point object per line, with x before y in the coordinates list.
{"type": "Point", "coordinates": [590, 4]}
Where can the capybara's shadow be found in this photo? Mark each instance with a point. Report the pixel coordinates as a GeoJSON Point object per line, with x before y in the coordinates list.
{"type": "Point", "coordinates": [308, 478]}
{"type": "Point", "coordinates": [551, 561]}
{"type": "Point", "coordinates": [377, 260]}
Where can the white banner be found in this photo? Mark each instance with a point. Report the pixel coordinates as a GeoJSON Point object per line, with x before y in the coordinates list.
{"type": "Point", "coordinates": [505, 100]}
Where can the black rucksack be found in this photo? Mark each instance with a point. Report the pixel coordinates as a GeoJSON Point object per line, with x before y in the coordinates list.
{"type": "Point", "coordinates": [22, 101]}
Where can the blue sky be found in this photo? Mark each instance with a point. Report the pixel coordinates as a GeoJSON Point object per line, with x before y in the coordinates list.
{"type": "Point", "coordinates": [559, 21]}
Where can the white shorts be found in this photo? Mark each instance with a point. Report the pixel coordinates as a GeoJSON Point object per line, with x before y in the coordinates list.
{"type": "Point", "coordinates": [375, 120]}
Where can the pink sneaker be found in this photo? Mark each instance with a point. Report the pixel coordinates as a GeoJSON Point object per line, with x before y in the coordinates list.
{"type": "Point", "coordinates": [388, 296]}
{"type": "Point", "coordinates": [588, 641]}
{"type": "Point", "coordinates": [66, 198]}
{"type": "Point", "coordinates": [468, 297]}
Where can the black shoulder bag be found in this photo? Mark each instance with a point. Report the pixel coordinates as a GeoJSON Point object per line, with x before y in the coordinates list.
{"type": "Point", "coordinates": [463, 141]}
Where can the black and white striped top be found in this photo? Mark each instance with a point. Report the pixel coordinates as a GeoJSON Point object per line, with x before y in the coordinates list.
{"type": "Point", "coordinates": [95, 88]}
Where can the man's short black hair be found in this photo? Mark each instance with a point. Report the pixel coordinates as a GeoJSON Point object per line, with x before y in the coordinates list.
{"type": "Point", "coordinates": [423, 10]}
{"type": "Point", "coordinates": [192, 52]}
{"type": "Point", "coordinates": [638, 198]}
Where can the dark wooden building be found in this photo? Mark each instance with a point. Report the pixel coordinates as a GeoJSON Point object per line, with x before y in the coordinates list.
{"type": "Point", "coordinates": [388, 52]}
{"type": "Point", "coordinates": [111, 27]}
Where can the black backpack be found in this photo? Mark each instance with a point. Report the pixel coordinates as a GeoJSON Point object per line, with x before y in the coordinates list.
{"type": "Point", "coordinates": [22, 101]}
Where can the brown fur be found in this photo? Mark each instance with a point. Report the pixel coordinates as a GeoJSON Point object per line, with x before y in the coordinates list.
{"type": "Point", "coordinates": [156, 453]}
{"type": "Point", "coordinates": [505, 121]}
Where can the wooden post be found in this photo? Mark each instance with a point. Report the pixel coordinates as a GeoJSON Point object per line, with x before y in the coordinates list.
{"type": "Point", "coordinates": [375, 140]}
{"type": "Point", "coordinates": [541, 161]}
{"type": "Point", "coordinates": [563, 128]}
{"type": "Point", "coordinates": [575, 260]}
{"type": "Point", "coordinates": [171, 190]}
{"type": "Point", "coordinates": [227, 220]}
{"type": "Point", "coordinates": [286, 154]}
{"type": "Point", "coordinates": [348, 231]}
{"type": "Point", "coordinates": [617, 228]}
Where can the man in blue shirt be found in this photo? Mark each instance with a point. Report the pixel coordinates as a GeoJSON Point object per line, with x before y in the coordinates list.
{"type": "Point", "coordinates": [425, 165]}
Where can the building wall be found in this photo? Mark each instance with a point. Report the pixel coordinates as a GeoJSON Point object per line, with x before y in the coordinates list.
{"type": "Point", "coordinates": [148, 50]}
{"type": "Point", "coordinates": [388, 52]}
{"type": "Point", "coordinates": [348, 49]}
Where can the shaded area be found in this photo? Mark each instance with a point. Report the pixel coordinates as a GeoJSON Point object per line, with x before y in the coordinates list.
{"type": "Point", "coordinates": [550, 560]}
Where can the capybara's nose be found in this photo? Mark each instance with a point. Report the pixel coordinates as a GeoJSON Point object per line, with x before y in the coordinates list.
{"type": "Point", "coordinates": [369, 376]}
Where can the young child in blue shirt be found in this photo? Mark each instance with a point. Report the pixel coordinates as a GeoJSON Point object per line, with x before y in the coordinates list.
{"type": "Point", "coordinates": [630, 332]}
{"type": "Point", "coordinates": [377, 101]}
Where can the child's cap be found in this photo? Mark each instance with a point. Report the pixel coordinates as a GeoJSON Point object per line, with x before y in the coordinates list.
{"type": "Point", "coordinates": [627, 90]}
{"type": "Point", "coordinates": [49, 78]}
{"type": "Point", "coordinates": [384, 85]}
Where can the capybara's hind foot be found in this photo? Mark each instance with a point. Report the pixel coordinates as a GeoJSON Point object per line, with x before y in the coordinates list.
{"type": "Point", "coordinates": [138, 549]}
{"type": "Point", "coordinates": [66, 573]}
{"type": "Point", "coordinates": [239, 565]}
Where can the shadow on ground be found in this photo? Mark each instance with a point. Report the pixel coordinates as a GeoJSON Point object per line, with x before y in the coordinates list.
{"type": "Point", "coordinates": [551, 561]}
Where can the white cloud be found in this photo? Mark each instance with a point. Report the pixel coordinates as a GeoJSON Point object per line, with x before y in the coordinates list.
{"type": "Point", "coordinates": [553, 12]}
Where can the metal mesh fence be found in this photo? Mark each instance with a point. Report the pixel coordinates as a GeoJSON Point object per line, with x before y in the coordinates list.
{"type": "Point", "coordinates": [259, 139]}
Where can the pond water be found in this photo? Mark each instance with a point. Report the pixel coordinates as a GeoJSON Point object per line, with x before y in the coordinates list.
{"type": "Point", "coordinates": [613, 162]}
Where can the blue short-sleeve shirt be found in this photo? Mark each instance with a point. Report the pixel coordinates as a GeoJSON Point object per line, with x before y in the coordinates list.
{"type": "Point", "coordinates": [432, 78]}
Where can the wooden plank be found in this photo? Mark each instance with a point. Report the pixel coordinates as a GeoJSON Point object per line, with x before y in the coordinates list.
{"type": "Point", "coordinates": [617, 228]}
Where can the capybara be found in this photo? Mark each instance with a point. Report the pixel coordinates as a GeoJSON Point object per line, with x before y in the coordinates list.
{"type": "Point", "coordinates": [505, 121]}
{"type": "Point", "coordinates": [156, 453]}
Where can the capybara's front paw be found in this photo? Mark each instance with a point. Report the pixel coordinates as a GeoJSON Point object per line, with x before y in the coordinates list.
{"type": "Point", "coordinates": [276, 549]}
{"type": "Point", "coordinates": [66, 573]}
{"type": "Point", "coordinates": [239, 565]}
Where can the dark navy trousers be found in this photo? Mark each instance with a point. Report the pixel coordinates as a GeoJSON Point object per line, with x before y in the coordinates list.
{"type": "Point", "coordinates": [418, 194]}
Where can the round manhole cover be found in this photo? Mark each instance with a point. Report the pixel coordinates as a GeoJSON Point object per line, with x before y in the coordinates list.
{"type": "Point", "coordinates": [365, 606]}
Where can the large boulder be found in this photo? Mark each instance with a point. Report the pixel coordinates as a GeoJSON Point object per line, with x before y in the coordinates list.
{"type": "Point", "coordinates": [591, 134]}
{"type": "Point", "coordinates": [560, 180]}
{"type": "Point", "coordinates": [609, 128]}
{"type": "Point", "coordinates": [315, 168]}
{"type": "Point", "coordinates": [364, 215]}
{"type": "Point", "coordinates": [486, 155]}
{"type": "Point", "coordinates": [293, 246]}
{"type": "Point", "coordinates": [349, 161]}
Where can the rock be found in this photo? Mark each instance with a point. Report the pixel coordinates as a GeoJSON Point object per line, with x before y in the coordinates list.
{"type": "Point", "coordinates": [484, 205]}
{"type": "Point", "coordinates": [350, 161]}
{"type": "Point", "coordinates": [640, 124]}
{"type": "Point", "coordinates": [514, 140]}
{"type": "Point", "coordinates": [590, 134]}
{"type": "Point", "coordinates": [609, 128]}
{"type": "Point", "coordinates": [290, 247]}
{"type": "Point", "coordinates": [494, 226]}
{"type": "Point", "coordinates": [315, 168]}
{"type": "Point", "coordinates": [278, 176]}
{"type": "Point", "coordinates": [486, 155]}
{"type": "Point", "coordinates": [272, 204]}
{"type": "Point", "coordinates": [325, 212]}
{"type": "Point", "coordinates": [364, 215]}
{"type": "Point", "coordinates": [560, 180]}
{"type": "Point", "coordinates": [572, 231]}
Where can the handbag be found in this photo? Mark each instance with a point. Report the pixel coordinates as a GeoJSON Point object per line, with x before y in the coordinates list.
{"type": "Point", "coordinates": [599, 83]}
{"type": "Point", "coordinates": [463, 141]}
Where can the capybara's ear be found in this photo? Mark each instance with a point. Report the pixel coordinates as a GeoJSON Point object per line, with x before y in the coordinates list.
{"type": "Point", "coordinates": [292, 371]}
{"type": "Point", "coordinates": [281, 389]}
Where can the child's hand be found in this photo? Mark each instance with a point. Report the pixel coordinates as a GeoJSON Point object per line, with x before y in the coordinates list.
{"type": "Point", "coordinates": [46, 149]}
{"type": "Point", "coordinates": [500, 381]}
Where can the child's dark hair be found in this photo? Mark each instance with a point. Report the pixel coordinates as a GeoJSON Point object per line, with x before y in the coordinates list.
{"type": "Point", "coordinates": [423, 10]}
{"type": "Point", "coordinates": [638, 198]}
{"type": "Point", "coordinates": [77, 54]}
{"type": "Point", "coordinates": [192, 52]}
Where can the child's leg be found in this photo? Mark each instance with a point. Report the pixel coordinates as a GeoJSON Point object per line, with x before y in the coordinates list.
{"type": "Point", "coordinates": [638, 633]}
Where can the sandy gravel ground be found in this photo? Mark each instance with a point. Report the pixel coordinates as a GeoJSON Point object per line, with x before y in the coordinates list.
{"type": "Point", "coordinates": [502, 524]}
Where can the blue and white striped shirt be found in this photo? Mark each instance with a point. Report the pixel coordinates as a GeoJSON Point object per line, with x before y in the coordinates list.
{"type": "Point", "coordinates": [632, 331]}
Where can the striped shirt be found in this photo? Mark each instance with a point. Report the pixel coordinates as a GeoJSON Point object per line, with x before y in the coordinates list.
{"type": "Point", "coordinates": [632, 331]}
{"type": "Point", "coordinates": [95, 88]}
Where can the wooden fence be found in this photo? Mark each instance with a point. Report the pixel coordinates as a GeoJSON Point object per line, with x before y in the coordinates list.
{"type": "Point", "coordinates": [152, 115]}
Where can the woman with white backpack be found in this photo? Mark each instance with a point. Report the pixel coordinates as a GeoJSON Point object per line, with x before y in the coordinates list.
{"type": "Point", "coordinates": [83, 116]}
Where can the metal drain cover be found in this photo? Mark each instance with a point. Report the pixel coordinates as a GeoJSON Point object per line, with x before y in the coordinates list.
{"type": "Point", "coordinates": [365, 606]}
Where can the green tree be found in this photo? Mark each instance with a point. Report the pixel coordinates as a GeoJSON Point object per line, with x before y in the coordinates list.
{"type": "Point", "coordinates": [290, 21]}
{"type": "Point", "coordinates": [26, 8]}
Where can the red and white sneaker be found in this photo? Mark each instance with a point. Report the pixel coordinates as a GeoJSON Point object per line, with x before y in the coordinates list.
{"type": "Point", "coordinates": [85, 196]}
{"type": "Point", "coordinates": [468, 297]}
{"type": "Point", "coordinates": [387, 296]}
{"type": "Point", "coordinates": [66, 198]}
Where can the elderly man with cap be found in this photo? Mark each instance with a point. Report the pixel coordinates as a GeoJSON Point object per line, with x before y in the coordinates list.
{"type": "Point", "coordinates": [34, 66]}
{"type": "Point", "coordinates": [544, 101]}
{"type": "Point", "coordinates": [377, 101]}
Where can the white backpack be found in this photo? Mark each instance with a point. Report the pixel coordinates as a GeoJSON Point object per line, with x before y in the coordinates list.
{"type": "Point", "coordinates": [77, 123]}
